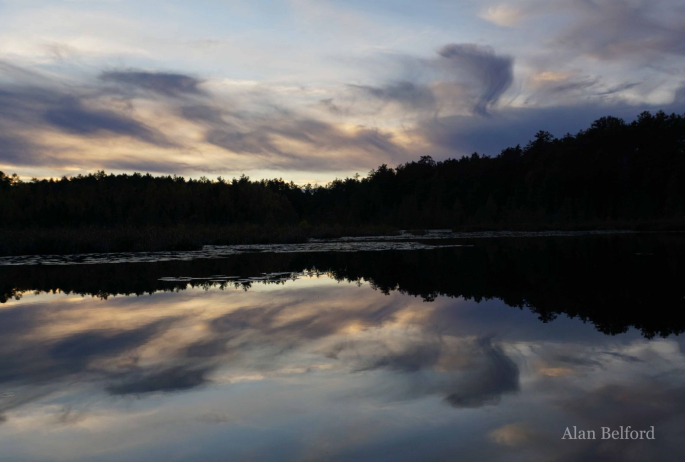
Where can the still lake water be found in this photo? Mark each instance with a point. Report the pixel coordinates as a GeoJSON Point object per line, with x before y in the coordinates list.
{"type": "Point", "coordinates": [479, 348]}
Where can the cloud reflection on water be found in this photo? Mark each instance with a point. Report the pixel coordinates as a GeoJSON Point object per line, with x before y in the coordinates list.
{"type": "Point", "coordinates": [275, 373]}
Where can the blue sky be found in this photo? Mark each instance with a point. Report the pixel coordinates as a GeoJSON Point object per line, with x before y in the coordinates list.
{"type": "Point", "coordinates": [312, 90]}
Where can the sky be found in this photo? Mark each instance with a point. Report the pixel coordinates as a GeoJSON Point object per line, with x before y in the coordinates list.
{"type": "Point", "coordinates": [312, 90]}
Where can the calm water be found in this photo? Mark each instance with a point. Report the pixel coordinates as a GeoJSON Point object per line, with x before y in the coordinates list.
{"type": "Point", "coordinates": [476, 348]}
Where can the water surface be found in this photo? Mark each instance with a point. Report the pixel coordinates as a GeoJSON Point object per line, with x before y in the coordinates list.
{"type": "Point", "coordinates": [452, 348]}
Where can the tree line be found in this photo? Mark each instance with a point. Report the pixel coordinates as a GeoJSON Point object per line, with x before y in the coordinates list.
{"type": "Point", "coordinates": [614, 171]}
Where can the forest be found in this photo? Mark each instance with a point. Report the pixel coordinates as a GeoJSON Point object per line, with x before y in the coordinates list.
{"type": "Point", "coordinates": [612, 174]}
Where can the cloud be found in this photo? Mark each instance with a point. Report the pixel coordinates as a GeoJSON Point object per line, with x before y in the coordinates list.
{"type": "Point", "coordinates": [408, 95]}
{"type": "Point", "coordinates": [271, 137]}
{"type": "Point", "coordinates": [679, 95]}
{"type": "Point", "coordinates": [633, 31]}
{"type": "Point", "coordinates": [166, 380]}
{"type": "Point", "coordinates": [493, 74]}
{"type": "Point", "coordinates": [558, 85]}
{"type": "Point", "coordinates": [619, 30]}
{"type": "Point", "coordinates": [462, 77]}
{"type": "Point", "coordinates": [502, 15]}
{"type": "Point", "coordinates": [242, 142]}
{"type": "Point", "coordinates": [16, 150]}
{"type": "Point", "coordinates": [132, 163]}
{"type": "Point", "coordinates": [32, 106]}
{"type": "Point", "coordinates": [203, 113]}
{"type": "Point", "coordinates": [166, 84]}
{"type": "Point", "coordinates": [68, 416]}
{"type": "Point", "coordinates": [329, 105]}
{"type": "Point", "coordinates": [70, 115]}
{"type": "Point", "coordinates": [287, 140]}
{"type": "Point", "coordinates": [547, 89]}
{"type": "Point", "coordinates": [618, 88]}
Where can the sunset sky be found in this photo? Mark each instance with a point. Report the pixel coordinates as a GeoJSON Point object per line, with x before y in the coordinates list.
{"type": "Point", "coordinates": [313, 90]}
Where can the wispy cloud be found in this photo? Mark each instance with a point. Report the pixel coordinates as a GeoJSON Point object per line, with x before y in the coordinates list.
{"type": "Point", "coordinates": [167, 84]}
{"type": "Point", "coordinates": [281, 138]}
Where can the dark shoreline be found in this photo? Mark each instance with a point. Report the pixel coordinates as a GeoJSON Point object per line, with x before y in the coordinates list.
{"type": "Point", "coordinates": [61, 241]}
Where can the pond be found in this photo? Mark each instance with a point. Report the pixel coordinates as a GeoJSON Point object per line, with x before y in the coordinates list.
{"type": "Point", "coordinates": [436, 347]}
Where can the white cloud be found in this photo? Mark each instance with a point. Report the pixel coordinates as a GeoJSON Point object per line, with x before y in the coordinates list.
{"type": "Point", "coordinates": [502, 15]}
